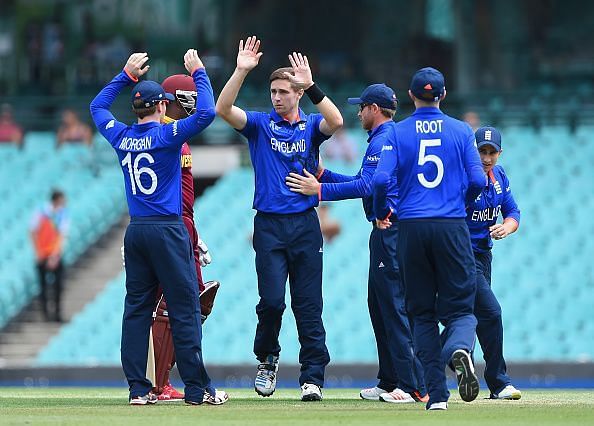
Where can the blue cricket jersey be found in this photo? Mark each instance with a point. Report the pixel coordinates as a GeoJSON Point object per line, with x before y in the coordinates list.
{"type": "Point", "coordinates": [496, 198]}
{"type": "Point", "coordinates": [150, 153]}
{"type": "Point", "coordinates": [278, 147]}
{"type": "Point", "coordinates": [341, 187]}
{"type": "Point", "coordinates": [436, 166]}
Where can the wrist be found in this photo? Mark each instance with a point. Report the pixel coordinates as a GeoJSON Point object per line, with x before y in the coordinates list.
{"type": "Point", "coordinates": [130, 75]}
{"type": "Point", "coordinates": [242, 71]}
{"type": "Point", "coordinates": [315, 94]}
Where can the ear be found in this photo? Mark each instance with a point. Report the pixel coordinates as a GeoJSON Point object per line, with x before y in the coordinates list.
{"type": "Point", "coordinates": [300, 93]}
{"type": "Point", "coordinates": [445, 92]}
{"type": "Point", "coordinates": [411, 96]}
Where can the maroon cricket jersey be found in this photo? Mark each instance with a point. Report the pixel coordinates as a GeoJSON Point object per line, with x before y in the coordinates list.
{"type": "Point", "coordinates": [187, 182]}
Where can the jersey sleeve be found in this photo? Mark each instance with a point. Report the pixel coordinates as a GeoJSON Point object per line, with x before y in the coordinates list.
{"type": "Point", "coordinates": [179, 131]}
{"type": "Point", "coordinates": [328, 176]}
{"type": "Point", "coordinates": [104, 120]}
{"type": "Point", "coordinates": [386, 170]}
{"type": "Point", "coordinates": [317, 136]}
{"type": "Point", "coordinates": [477, 179]}
{"type": "Point", "coordinates": [251, 126]}
{"type": "Point", "coordinates": [509, 207]}
{"type": "Point", "coordinates": [360, 186]}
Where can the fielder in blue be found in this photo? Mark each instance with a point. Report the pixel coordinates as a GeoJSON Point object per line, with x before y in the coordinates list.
{"type": "Point", "coordinates": [495, 199]}
{"type": "Point", "coordinates": [157, 246]}
{"type": "Point", "coordinates": [287, 236]}
{"type": "Point", "coordinates": [400, 372]}
{"type": "Point", "coordinates": [437, 169]}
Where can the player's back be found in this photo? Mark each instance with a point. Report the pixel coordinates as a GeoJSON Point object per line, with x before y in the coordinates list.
{"type": "Point", "coordinates": [436, 158]}
{"type": "Point", "coordinates": [150, 162]}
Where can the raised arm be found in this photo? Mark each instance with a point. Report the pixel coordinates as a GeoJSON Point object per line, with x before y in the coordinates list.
{"type": "Point", "coordinates": [302, 78]}
{"type": "Point", "coordinates": [103, 118]}
{"type": "Point", "coordinates": [181, 130]}
{"type": "Point", "coordinates": [247, 59]}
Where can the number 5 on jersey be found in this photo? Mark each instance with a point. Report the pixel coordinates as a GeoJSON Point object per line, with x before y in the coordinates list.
{"type": "Point", "coordinates": [135, 173]}
{"type": "Point", "coordinates": [430, 158]}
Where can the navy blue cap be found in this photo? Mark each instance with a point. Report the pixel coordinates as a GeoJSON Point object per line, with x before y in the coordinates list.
{"type": "Point", "coordinates": [488, 136]}
{"type": "Point", "coordinates": [428, 84]}
{"type": "Point", "coordinates": [379, 94]}
{"type": "Point", "coordinates": [150, 92]}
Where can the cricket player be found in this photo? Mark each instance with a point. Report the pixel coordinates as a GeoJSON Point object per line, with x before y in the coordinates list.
{"type": "Point", "coordinates": [496, 198]}
{"type": "Point", "coordinates": [157, 244]}
{"type": "Point", "coordinates": [400, 373]}
{"type": "Point", "coordinates": [182, 88]}
{"type": "Point", "coordinates": [438, 171]}
{"type": "Point", "coordinates": [287, 236]}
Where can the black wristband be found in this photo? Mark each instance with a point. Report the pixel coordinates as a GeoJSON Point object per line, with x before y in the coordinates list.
{"type": "Point", "coordinates": [315, 94]}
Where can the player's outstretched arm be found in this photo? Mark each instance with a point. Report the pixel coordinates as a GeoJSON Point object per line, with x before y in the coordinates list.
{"type": "Point", "coordinates": [135, 67]}
{"type": "Point", "coordinates": [248, 57]}
{"type": "Point", "coordinates": [182, 130]}
{"type": "Point", "coordinates": [303, 78]}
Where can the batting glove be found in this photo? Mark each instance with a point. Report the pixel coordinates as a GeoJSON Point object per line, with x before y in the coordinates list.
{"type": "Point", "coordinates": [203, 254]}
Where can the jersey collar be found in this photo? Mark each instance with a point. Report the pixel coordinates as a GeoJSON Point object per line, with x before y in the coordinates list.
{"type": "Point", "coordinates": [278, 119]}
{"type": "Point", "coordinates": [373, 132]}
{"type": "Point", "coordinates": [147, 125]}
{"type": "Point", "coordinates": [427, 110]}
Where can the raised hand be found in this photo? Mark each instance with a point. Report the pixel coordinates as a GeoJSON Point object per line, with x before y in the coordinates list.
{"type": "Point", "coordinates": [302, 73]}
{"type": "Point", "coordinates": [192, 61]}
{"type": "Point", "coordinates": [134, 66]}
{"type": "Point", "coordinates": [248, 55]}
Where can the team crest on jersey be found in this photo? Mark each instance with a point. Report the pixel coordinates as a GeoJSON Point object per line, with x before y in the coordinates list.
{"type": "Point", "coordinates": [301, 126]}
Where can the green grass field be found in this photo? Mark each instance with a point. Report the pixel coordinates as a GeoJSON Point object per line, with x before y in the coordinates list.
{"type": "Point", "coordinates": [101, 406]}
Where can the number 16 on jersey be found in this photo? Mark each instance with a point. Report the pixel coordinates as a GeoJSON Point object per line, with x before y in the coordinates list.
{"type": "Point", "coordinates": [135, 172]}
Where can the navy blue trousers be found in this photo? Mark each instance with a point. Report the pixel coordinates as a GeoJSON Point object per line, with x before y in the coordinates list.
{"type": "Point", "coordinates": [291, 245]}
{"type": "Point", "coordinates": [158, 250]}
{"type": "Point", "coordinates": [398, 366]}
{"type": "Point", "coordinates": [490, 325]}
{"type": "Point", "coordinates": [439, 273]}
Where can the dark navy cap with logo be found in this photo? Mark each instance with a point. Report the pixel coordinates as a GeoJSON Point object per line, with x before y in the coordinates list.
{"type": "Point", "coordinates": [379, 94]}
{"type": "Point", "coordinates": [150, 92]}
{"type": "Point", "coordinates": [428, 84]}
{"type": "Point", "coordinates": [488, 136]}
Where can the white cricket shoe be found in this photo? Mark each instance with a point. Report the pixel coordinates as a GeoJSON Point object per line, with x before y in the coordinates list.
{"type": "Point", "coordinates": [397, 396]}
{"type": "Point", "coordinates": [508, 392]}
{"type": "Point", "coordinates": [311, 392]}
{"type": "Point", "coordinates": [372, 394]}
{"type": "Point", "coordinates": [265, 383]}
{"type": "Point", "coordinates": [438, 406]}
